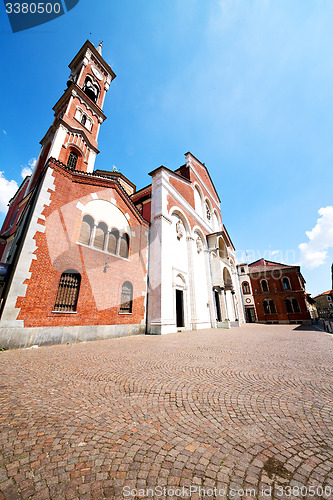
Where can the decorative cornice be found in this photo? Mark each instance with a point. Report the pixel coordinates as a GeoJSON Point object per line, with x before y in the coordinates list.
{"type": "Point", "coordinates": [85, 177]}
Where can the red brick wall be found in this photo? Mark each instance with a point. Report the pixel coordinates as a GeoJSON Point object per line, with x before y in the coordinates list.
{"type": "Point", "coordinates": [278, 294]}
{"type": "Point", "coordinates": [57, 251]}
{"type": "Point", "coordinates": [184, 189]}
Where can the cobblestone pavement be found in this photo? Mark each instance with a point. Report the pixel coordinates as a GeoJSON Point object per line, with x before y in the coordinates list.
{"type": "Point", "coordinates": [235, 409]}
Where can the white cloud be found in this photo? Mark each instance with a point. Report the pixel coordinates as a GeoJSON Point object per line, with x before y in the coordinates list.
{"type": "Point", "coordinates": [27, 170]}
{"type": "Point", "coordinates": [314, 252]}
{"type": "Point", "coordinates": [4, 131]}
{"type": "Point", "coordinates": [7, 191]}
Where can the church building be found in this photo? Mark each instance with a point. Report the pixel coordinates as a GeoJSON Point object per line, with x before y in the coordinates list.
{"type": "Point", "coordinates": [85, 255]}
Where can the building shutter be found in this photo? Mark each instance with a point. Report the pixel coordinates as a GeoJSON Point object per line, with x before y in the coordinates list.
{"type": "Point", "coordinates": [113, 241]}
{"type": "Point", "coordinates": [85, 233]}
{"type": "Point", "coordinates": [99, 238]}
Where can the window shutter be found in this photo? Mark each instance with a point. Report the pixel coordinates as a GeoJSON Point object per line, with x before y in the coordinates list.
{"type": "Point", "coordinates": [99, 238]}
{"type": "Point", "coordinates": [113, 242]}
{"type": "Point", "coordinates": [85, 233]}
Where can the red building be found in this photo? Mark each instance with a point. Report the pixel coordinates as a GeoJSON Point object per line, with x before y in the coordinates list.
{"type": "Point", "coordinates": [278, 292]}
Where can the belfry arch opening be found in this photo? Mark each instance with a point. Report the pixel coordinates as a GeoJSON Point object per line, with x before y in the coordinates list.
{"type": "Point", "coordinates": [91, 89]}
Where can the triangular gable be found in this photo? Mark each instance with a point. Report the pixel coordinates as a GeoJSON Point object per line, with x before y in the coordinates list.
{"type": "Point", "coordinates": [202, 172]}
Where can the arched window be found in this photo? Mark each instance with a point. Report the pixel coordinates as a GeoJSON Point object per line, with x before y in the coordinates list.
{"type": "Point", "coordinates": [295, 306]}
{"type": "Point", "coordinates": [100, 235]}
{"type": "Point", "coordinates": [208, 212]}
{"type": "Point", "coordinates": [86, 230]}
{"type": "Point", "coordinates": [272, 306]}
{"type": "Point", "coordinates": [198, 201]}
{"type": "Point", "coordinates": [246, 287]}
{"type": "Point", "coordinates": [286, 283]}
{"type": "Point", "coordinates": [289, 306]}
{"type": "Point", "coordinates": [68, 291]}
{"type": "Point", "coordinates": [124, 246]}
{"type": "Point", "coordinates": [264, 285]}
{"type": "Point", "coordinates": [91, 89]}
{"type": "Point", "coordinates": [84, 119]}
{"type": "Point", "coordinates": [126, 297]}
{"type": "Point", "coordinates": [269, 306]}
{"type": "Point", "coordinates": [216, 221]}
{"type": "Point", "coordinates": [113, 241]}
{"type": "Point", "coordinates": [72, 160]}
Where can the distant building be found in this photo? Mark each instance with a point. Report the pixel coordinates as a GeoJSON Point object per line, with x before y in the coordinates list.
{"type": "Point", "coordinates": [247, 295]}
{"type": "Point", "coordinates": [324, 303]}
{"type": "Point", "coordinates": [275, 291]}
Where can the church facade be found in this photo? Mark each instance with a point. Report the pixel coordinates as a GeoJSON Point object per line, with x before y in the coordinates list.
{"type": "Point", "coordinates": [84, 255]}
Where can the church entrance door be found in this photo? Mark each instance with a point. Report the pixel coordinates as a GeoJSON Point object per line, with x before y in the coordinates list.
{"type": "Point", "coordinates": [179, 308]}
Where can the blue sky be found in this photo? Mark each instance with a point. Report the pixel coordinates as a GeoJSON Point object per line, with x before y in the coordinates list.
{"type": "Point", "coordinates": [245, 85]}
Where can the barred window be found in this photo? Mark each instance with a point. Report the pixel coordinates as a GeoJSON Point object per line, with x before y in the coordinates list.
{"type": "Point", "coordinates": [113, 241]}
{"type": "Point", "coordinates": [68, 291]}
{"type": "Point", "coordinates": [246, 288]}
{"type": "Point", "coordinates": [124, 246]}
{"type": "Point", "coordinates": [126, 297]}
{"type": "Point", "coordinates": [72, 160]}
{"type": "Point", "coordinates": [86, 229]}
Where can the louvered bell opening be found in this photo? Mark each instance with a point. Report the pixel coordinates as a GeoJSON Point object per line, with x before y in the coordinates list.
{"type": "Point", "coordinates": [68, 292]}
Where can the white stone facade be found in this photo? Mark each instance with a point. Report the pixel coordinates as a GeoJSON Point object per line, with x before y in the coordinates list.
{"type": "Point", "coordinates": [192, 272]}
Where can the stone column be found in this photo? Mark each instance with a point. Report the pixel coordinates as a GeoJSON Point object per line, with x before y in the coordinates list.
{"type": "Point", "coordinates": [193, 309]}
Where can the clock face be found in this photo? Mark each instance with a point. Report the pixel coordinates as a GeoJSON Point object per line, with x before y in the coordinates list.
{"type": "Point", "coordinates": [97, 73]}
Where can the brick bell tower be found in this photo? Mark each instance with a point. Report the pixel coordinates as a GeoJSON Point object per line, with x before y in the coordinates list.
{"type": "Point", "coordinates": [78, 115]}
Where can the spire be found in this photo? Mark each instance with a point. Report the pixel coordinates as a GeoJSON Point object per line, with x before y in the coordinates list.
{"type": "Point", "coordinates": [99, 48]}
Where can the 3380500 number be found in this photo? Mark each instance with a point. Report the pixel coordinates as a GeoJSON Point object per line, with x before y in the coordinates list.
{"type": "Point", "coordinates": [33, 8]}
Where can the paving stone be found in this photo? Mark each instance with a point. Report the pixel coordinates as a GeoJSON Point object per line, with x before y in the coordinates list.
{"type": "Point", "coordinates": [243, 408]}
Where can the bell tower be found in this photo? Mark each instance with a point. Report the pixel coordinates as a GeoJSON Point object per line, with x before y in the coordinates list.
{"type": "Point", "coordinates": [78, 115]}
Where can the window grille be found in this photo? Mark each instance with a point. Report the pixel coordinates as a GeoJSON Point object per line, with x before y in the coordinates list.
{"type": "Point", "coordinates": [72, 160]}
{"type": "Point", "coordinates": [126, 297]}
{"type": "Point", "coordinates": [68, 292]}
